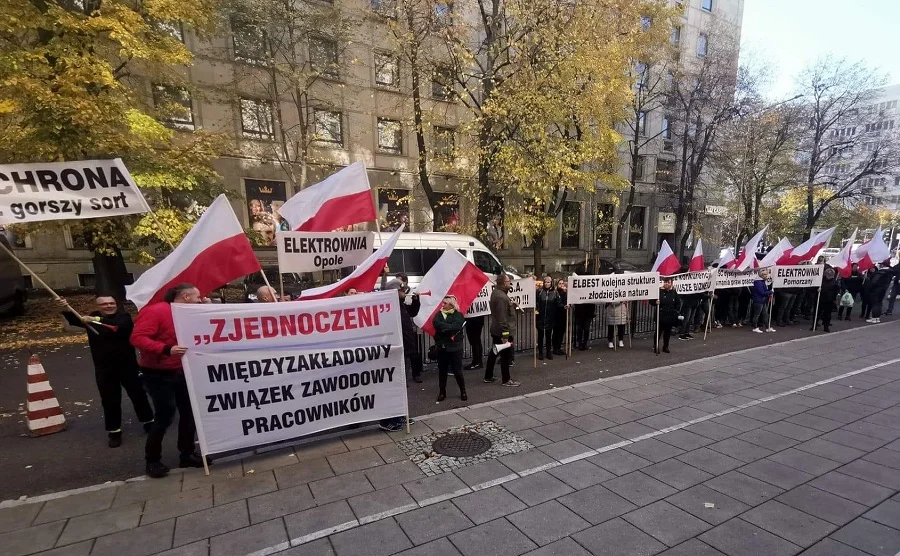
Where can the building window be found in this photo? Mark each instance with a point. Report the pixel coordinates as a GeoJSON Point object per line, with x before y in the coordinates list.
{"type": "Point", "coordinates": [570, 232]}
{"type": "Point", "coordinates": [257, 121]}
{"type": "Point", "coordinates": [329, 127]}
{"type": "Point", "coordinates": [250, 42]}
{"type": "Point", "coordinates": [264, 200]}
{"type": "Point", "coordinates": [443, 12]}
{"type": "Point", "coordinates": [393, 208]}
{"type": "Point", "coordinates": [606, 223]}
{"type": "Point", "coordinates": [675, 36]}
{"type": "Point", "coordinates": [706, 5]}
{"type": "Point", "coordinates": [390, 136]}
{"type": "Point", "coordinates": [173, 106]}
{"type": "Point", "coordinates": [444, 141]}
{"type": "Point", "coordinates": [642, 123]}
{"type": "Point", "coordinates": [387, 70]}
{"type": "Point", "coordinates": [702, 44]}
{"type": "Point", "coordinates": [87, 280]}
{"type": "Point", "coordinates": [666, 132]}
{"type": "Point", "coordinates": [665, 171]}
{"type": "Point", "coordinates": [387, 8]}
{"type": "Point", "coordinates": [323, 57]}
{"type": "Point", "coordinates": [641, 69]}
{"type": "Point", "coordinates": [639, 170]}
{"type": "Point", "coordinates": [446, 217]}
{"type": "Point", "coordinates": [636, 228]}
{"type": "Point", "coordinates": [442, 83]}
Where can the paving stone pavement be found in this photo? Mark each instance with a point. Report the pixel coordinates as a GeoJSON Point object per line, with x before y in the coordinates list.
{"type": "Point", "coordinates": [789, 449]}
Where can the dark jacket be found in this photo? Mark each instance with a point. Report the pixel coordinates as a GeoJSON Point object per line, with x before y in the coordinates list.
{"type": "Point", "coordinates": [584, 311]}
{"type": "Point", "coordinates": [503, 314]}
{"type": "Point", "coordinates": [410, 335]}
{"type": "Point", "coordinates": [829, 295]}
{"type": "Point", "coordinates": [547, 306]}
{"type": "Point", "coordinates": [669, 307]}
{"type": "Point", "coordinates": [154, 336]}
{"type": "Point", "coordinates": [111, 346]}
{"type": "Point", "coordinates": [448, 331]}
{"type": "Point", "coordinates": [760, 291]}
{"type": "Point", "coordinates": [852, 283]}
{"type": "Point", "coordinates": [878, 283]}
{"type": "Point", "coordinates": [561, 317]}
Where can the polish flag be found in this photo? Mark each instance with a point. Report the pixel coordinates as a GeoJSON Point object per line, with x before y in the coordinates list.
{"type": "Point", "coordinates": [215, 252]}
{"type": "Point", "coordinates": [666, 262]}
{"type": "Point", "coordinates": [727, 259]}
{"type": "Point", "coordinates": [872, 252]}
{"type": "Point", "coordinates": [842, 261]}
{"type": "Point", "coordinates": [363, 278]}
{"type": "Point", "coordinates": [807, 250]}
{"type": "Point", "coordinates": [342, 199]}
{"type": "Point", "coordinates": [697, 264]}
{"type": "Point", "coordinates": [747, 258]}
{"type": "Point", "coordinates": [777, 253]}
{"type": "Point", "coordinates": [452, 274]}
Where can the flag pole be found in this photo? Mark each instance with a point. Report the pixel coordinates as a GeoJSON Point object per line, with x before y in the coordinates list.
{"type": "Point", "coordinates": [706, 329]}
{"type": "Point", "coordinates": [771, 306]}
{"type": "Point", "coordinates": [816, 314]}
{"type": "Point", "coordinates": [657, 327]}
{"type": "Point", "coordinates": [628, 326]}
{"type": "Point", "coordinates": [534, 323]}
{"type": "Point", "coordinates": [569, 332]}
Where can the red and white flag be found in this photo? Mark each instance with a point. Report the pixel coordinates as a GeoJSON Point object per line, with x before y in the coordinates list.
{"type": "Point", "coordinates": [726, 260]}
{"type": "Point", "coordinates": [215, 252]}
{"type": "Point", "coordinates": [666, 262]}
{"type": "Point", "coordinates": [363, 278]}
{"type": "Point", "coordinates": [776, 253]}
{"type": "Point", "coordinates": [452, 274]}
{"type": "Point", "coordinates": [747, 258]}
{"type": "Point", "coordinates": [842, 261]}
{"type": "Point", "coordinates": [342, 199]}
{"type": "Point", "coordinates": [807, 250]}
{"type": "Point", "coordinates": [872, 252]}
{"type": "Point", "coordinates": [697, 264]}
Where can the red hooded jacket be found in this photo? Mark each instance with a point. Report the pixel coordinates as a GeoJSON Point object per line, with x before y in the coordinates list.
{"type": "Point", "coordinates": [154, 336]}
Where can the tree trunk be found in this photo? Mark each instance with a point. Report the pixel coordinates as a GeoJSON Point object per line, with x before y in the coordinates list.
{"type": "Point", "coordinates": [110, 275]}
{"type": "Point", "coordinates": [419, 122]}
{"type": "Point", "coordinates": [538, 248]}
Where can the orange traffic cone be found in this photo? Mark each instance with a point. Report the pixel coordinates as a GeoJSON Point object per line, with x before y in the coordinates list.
{"type": "Point", "coordinates": [44, 414]}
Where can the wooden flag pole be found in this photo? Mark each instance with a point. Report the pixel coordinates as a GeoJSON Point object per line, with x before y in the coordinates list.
{"type": "Point", "coordinates": [569, 332]}
{"type": "Point", "coordinates": [706, 328]}
{"type": "Point", "coordinates": [534, 323]}
{"type": "Point", "coordinates": [657, 327]}
{"type": "Point", "coordinates": [205, 463]}
{"type": "Point", "coordinates": [816, 314]}
{"type": "Point", "coordinates": [771, 306]}
{"type": "Point", "coordinates": [628, 325]}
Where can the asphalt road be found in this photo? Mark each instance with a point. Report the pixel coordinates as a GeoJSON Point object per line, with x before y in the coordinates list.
{"type": "Point", "coordinates": [79, 456]}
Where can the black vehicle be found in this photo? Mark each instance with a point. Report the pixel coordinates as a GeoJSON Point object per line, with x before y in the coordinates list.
{"type": "Point", "coordinates": [618, 266]}
{"type": "Point", "coordinates": [294, 283]}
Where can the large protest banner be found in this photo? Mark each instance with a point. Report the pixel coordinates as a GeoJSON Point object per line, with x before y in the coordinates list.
{"type": "Point", "coordinates": [799, 276]}
{"type": "Point", "coordinates": [613, 287]}
{"type": "Point", "coordinates": [736, 279]}
{"type": "Point", "coordinates": [67, 190]}
{"type": "Point", "coordinates": [695, 282]}
{"type": "Point", "coordinates": [268, 372]}
{"type": "Point", "coordinates": [312, 251]}
{"type": "Point", "coordinates": [522, 293]}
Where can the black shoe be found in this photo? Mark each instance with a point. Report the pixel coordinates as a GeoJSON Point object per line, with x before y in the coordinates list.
{"type": "Point", "coordinates": [689, 336]}
{"type": "Point", "coordinates": [157, 470]}
{"type": "Point", "coordinates": [558, 352]}
{"type": "Point", "coordinates": [190, 460]}
{"type": "Point", "coordinates": [473, 366]}
{"type": "Point", "coordinates": [442, 396]}
{"type": "Point", "coordinates": [417, 379]}
{"type": "Point", "coordinates": [541, 356]}
{"type": "Point", "coordinates": [666, 350]}
{"type": "Point", "coordinates": [827, 329]}
{"type": "Point", "coordinates": [464, 397]}
{"type": "Point", "coordinates": [489, 380]}
{"type": "Point", "coordinates": [549, 356]}
{"type": "Point", "coordinates": [147, 427]}
{"type": "Point", "coordinates": [115, 439]}
{"type": "Point", "coordinates": [682, 337]}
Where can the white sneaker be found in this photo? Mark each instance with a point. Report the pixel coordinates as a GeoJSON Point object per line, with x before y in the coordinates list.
{"type": "Point", "coordinates": [878, 320]}
{"type": "Point", "coordinates": [770, 329]}
{"type": "Point", "coordinates": [757, 330]}
{"type": "Point", "coordinates": [611, 346]}
{"type": "Point", "coordinates": [872, 321]}
{"type": "Point", "coordinates": [621, 344]}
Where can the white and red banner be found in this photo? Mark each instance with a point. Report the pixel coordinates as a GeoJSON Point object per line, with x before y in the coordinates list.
{"type": "Point", "coordinates": [666, 262]}
{"type": "Point", "coordinates": [843, 261]}
{"type": "Point", "coordinates": [695, 282]}
{"type": "Point", "coordinates": [747, 258]}
{"type": "Point", "coordinates": [313, 251]}
{"type": "Point", "coordinates": [67, 190]}
{"type": "Point", "coordinates": [736, 279]}
{"type": "Point", "coordinates": [342, 199]}
{"type": "Point", "coordinates": [777, 253]}
{"type": "Point", "coordinates": [523, 294]}
{"type": "Point", "coordinates": [259, 373]}
{"type": "Point", "coordinates": [607, 288]}
{"type": "Point", "coordinates": [215, 252]}
{"type": "Point", "coordinates": [452, 274]}
{"type": "Point", "coordinates": [798, 276]}
{"type": "Point", "coordinates": [363, 278]}
{"type": "Point", "coordinates": [807, 250]}
{"type": "Point", "coordinates": [697, 264]}
{"type": "Point", "coordinates": [872, 252]}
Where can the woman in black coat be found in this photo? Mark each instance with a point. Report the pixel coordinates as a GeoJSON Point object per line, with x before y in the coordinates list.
{"type": "Point", "coordinates": [448, 337]}
{"type": "Point", "coordinates": [829, 295]}
{"type": "Point", "coordinates": [546, 310]}
{"type": "Point", "coordinates": [669, 311]}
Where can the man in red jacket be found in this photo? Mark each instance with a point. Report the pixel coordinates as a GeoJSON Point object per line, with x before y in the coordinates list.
{"type": "Point", "coordinates": [160, 361]}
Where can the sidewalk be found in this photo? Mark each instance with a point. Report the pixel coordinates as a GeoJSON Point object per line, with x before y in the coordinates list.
{"type": "Point", "coordinates": [731, 454]}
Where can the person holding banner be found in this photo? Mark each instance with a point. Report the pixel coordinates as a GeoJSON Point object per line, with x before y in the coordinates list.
{"type": "Point", "coordinates": [616, 318]}
{"type": "Point", "coordinates": [583, 314]}
{"type": "Point", "coordinates": [503, 322]}
{"type": "Point", "coordinates": [828, 296]}
{"type": "Point", "coordinates": [669, 311]}
{"type": "Point", "coordinates": [559, 320]}
{"type": "Point", "coordinates": [852, 285]}
{"type": "Point", "coordinates": [448, 337]}
{"type": "Point", "coordinates": [546, 309]}
{"type": "Point", "coordinates": [761, 295]}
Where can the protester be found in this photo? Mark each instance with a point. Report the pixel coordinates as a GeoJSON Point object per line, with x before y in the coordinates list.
{"type": "Point", "coordinates": [829, 293]}
{"type": "Point", "coordinates": [616, 319]}
{"type": "Point", "coordinates": [865, 294]}
{"type": "Point", "coordinates": [669, 312]}
{"type": "Point", "coordinates": [852, 285]}
{"type": "Point", "coordinates": [761, 295]}
{"type": "Point", "coordinates": [448, 337]}
{"type": "Point", "coordinates": [266, 294]}
{"type": "Point", "coordinates": [474, 326]}
{"type": "Point", "coordinates": [894, 290]}
{"type": "Point", "coordinates": [351, 291]}
{"type": "Point", "coordinates": [503, 323]}
{"type": "Point", "coordinates": [583, 314]}
{"type": "Point", "coordinates": [689, 304]}
{"type": "Point", "coordinates": [878, 287]}
{"type": "Point", "coordinates": [744, 302]}
{"type": "Point", "coordinates": [561, 316]}
{"type": "Point", "coordinates": [160, 361]}
{"type": "Point", "coordinates": [115, 364]}
{"type": "Point", "coordinates": [785, 299]}
{"type": "Point", "coordinates": [547, 305]}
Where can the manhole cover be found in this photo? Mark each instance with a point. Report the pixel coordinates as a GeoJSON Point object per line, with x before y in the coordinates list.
{"type": "Point", "coordinates": [461, 445]}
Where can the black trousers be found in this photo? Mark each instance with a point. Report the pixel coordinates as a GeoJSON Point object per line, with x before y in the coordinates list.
{"type": "Point", "coordinates": [169, 393]}
{"type": "Point", "coordinates": [665, 332]}
{"type": "Point", "coordinates": [559, 334]}
{"type": "Point", "coordinates": [505, 357]}
{"type": "Point", "coordinates": [451, 362]}
{"type": "Point", "coordinates": [473, 333]}
{"type": "Point", "coordinates": [544, 336]}
{"type": "Point", "coordinates": [414, 359]}
{"type": "Point", "coordinates": [110, 383]}
{"type": "Point", "coordinates": [582, 331]}
{"type": "Point", "coordinates": [609, 332]}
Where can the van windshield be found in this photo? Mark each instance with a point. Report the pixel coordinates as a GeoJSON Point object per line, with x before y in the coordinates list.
{"type": "Point", "coordinates": [486, 262]}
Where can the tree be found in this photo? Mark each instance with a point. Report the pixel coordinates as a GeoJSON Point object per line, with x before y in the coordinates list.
{"type": "Point", "coordinates": [74, 85]}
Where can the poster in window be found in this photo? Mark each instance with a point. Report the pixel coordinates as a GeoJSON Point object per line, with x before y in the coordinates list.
{"type": "Point", "coordinates": [264, 198]}
{"type": "Point", "coordinates": [636, 228]}
{"type": "Point", "coordinates": [446, 217]}
{"type": "Point", "coordinates": [393, 209]}
{"type": "Point", "coordinates": [571, 225]}
{"type": "Point", "coordinates": [496, 228]}
{"type": "Point", "coordinates": [605, 225]}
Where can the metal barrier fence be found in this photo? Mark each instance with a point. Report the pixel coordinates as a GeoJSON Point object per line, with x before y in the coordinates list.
{"type": "Point", "coordinates": [642, 321]}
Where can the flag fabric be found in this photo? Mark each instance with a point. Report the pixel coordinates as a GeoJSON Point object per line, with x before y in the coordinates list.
{"type": "Point", "coordinates": [747, 258]}
{"type": "Point", "coordinates": [342, 199]}
{"type": "Point", "coordinates": [363, 278]}
{"type": "Point", "coordinates": [807, 250]}
{"type": "Point", "coordinates": [872, 252]}
{"type": "Point", "coordinates": [777, 253]}
{"type": "Point", "coordinates": [215, 252]}
{"type": "Point", "coordinates": [842, 262]}
{"type": "Point", "coordinates": [697, 264]}
{"type": "Point", "coordinates": [452, 274]}
{"type": "Point", "coordinates": [727, 259]}
{"type": "Point", "coordinates": [666, 261]}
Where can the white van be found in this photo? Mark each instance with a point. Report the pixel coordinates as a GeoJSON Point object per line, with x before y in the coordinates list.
{"type": "Point", "coordinates": [415, 254]}
{"type": "Point", "coordinates": [12, 284]}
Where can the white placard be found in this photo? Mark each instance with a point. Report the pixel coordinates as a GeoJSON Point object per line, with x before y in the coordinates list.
{"type": "Point", "coordinates": [268, 372]}
{"type": "Point", "coordinates": [521, 293]}
{"type": "Point", "coordinates": [67, 190]}
{"type": "Point", "coordinates": [613, 287]}
{"type": "Point", "coordinates": [732, 279]}
{"type": "Point", "coordinates": [695, 282]}
{"type": "Point", "coordinates": [799, 276]}
{"type": "Point", "coordinates": [312, 251]}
